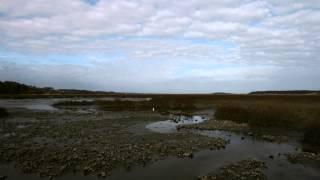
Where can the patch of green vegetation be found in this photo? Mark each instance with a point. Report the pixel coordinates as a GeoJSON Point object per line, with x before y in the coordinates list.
{"type": "Point", "coordinates": [3, 112]}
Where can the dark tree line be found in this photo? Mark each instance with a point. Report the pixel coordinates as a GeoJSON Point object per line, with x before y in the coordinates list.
{"type": "Point", "coordinates": [286, 92]}
{"type": "Point", "coordinates": [9, 87]}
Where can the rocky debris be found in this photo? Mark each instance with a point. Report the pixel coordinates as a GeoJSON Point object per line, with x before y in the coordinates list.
{"type": "Point", "coordinates": [271, 138]}
{"type": "Point", "coordinates": [8, 135]}
{"type": "Point", "coordinates": [304, 157]}
{"type": "Point", "coordinates": [86, 170]}
{"type": "Point", "coordinates": [187, 155]}
{"type": "Point", "coordinates": [96, 147]}
{"type": "Point", "coordinates": [250, 133]}
{"type": "Point", "coordinates": [243, 170]}
{"type": "Point", "coordinates": [217, 125]}
{"type": "Point", "coordinates": [268, 138]}
{"type": "Point", "coordinates": [103, 174]}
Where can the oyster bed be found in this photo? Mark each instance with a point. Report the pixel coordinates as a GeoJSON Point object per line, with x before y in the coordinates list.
{"type": "Point", "coordinates": [90, 145]}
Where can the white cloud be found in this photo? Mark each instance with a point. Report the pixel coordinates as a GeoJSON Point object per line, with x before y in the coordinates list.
{"type": "Point", "coordinates": [277, 34]}
{"type": "Point", "coordinates": [252, 11]}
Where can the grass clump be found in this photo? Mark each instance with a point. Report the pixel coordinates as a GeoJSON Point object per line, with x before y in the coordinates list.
{"type": "Point", "coordinates": [3, 112]}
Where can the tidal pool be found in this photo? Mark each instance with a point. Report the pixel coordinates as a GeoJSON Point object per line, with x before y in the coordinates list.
{"type": "Point", "coordinates": [170, 126]}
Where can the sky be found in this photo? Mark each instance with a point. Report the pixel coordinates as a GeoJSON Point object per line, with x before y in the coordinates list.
{"type": "Point", "coordinates": [162, 46]}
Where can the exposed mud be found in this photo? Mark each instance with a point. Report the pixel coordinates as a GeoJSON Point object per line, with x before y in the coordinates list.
{"type": "Point", "coordinates": [244, 170]}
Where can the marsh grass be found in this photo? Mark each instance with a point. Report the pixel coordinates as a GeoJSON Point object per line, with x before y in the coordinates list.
{"type": "Point", "coordinates": [300, 116]}
{"type": "Point", "coordinates": [3, 112]}
{"type": "Point", "coordinates": [157, 103]}
{"type": "Point", "coordinates": [262, 114]}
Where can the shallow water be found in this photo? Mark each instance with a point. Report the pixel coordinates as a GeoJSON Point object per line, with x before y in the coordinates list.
{"type": "Point", "coordinates": [31, 104]}
{"type": "Point", "coordinates": [169, 126]}
{"type": "Point", "coordinates": [46, 104]}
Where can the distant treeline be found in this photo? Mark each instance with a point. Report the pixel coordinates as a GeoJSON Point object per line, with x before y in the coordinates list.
{"type": "Point", "coordinates": [14, 88]}
{"type": "Point", "coordinates": [286, 92]}
{"type": "Point", "coordinates": [9, 87]}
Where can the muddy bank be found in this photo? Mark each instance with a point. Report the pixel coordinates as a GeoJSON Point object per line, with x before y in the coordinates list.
{"type": "Point", "coordinates": [308, 158]}
{"type": "Point", "coordinates": [245, 169]}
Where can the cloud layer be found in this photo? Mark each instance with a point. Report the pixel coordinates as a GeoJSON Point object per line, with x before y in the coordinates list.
{"type": "Point", "coordinates": [161, 46]}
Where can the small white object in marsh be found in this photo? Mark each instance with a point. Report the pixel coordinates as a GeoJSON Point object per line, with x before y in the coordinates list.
{"type": "Point", "coordinates": [153, 109]}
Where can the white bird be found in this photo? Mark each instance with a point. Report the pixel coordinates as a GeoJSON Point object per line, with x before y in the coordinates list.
{"type": "Point", "coordinates": [153, 109]}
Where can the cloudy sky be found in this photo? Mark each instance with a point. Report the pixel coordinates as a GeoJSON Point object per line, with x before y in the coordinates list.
{"type": "Point", "coordinates": [191, 46]}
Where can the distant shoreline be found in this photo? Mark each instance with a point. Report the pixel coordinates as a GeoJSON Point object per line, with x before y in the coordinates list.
{"type": "Point", "coordinates": [9, 89]}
